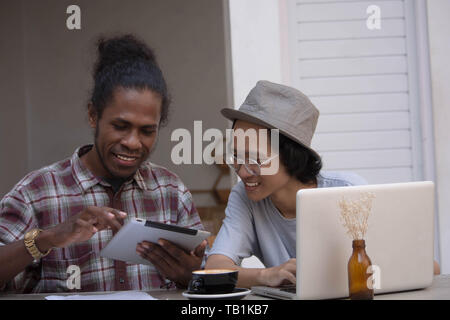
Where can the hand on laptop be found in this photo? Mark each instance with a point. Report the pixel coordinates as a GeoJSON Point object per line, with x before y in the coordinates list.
{"type": "Point", "coordinates": [280, 275]}
{"type": "Point", "coordinates": [171, 261]}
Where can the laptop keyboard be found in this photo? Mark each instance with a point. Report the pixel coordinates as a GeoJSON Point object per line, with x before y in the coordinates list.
{"type": "Point", "coordinates": [290, 289]}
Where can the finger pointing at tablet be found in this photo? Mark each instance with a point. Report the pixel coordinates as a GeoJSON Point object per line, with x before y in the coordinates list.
{"type": "Point", "coordinates": [108, 218]}
{"type": "Point", "coordinates": [82, 226]}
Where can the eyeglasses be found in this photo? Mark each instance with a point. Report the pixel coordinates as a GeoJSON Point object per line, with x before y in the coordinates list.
{"type": "Point", "coordinates": [252, 166]}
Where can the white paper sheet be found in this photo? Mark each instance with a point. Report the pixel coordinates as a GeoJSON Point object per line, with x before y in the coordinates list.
{"type": "Point", "coordinates": [124, 295]}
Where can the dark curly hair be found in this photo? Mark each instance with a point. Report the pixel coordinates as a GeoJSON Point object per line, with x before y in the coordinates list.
{"type": "Point", "coordinates": [124, 61]}
{"type": "Point", "coordinates": [299, 162]}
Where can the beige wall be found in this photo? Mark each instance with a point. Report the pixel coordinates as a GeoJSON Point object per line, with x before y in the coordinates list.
{"type": "Point", "coordinates": [13, 130]}
{"type": "Point", "coordinates": [55, 65]}
{"type": "Point", "coordinates": [439, 42]}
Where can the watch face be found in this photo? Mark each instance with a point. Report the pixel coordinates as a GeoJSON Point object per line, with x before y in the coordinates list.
{"type": "Point", "coordinates": [32, 234]}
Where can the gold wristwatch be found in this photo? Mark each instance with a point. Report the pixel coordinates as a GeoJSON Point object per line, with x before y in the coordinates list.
{"type": "Point", "coordinates": [29, 238]}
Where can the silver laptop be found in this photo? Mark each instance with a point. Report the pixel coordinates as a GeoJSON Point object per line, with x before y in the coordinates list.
{"type": "Point", "coordinates": [399, 241]}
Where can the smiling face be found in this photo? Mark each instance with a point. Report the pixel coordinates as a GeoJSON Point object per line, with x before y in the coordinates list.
{"type": "Point", "coordinates": [258, 187]}
{"type": "Point", "coordinates": [125, 134]}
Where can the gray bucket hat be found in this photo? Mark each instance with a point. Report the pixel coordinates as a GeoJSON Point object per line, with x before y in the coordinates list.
{"type": "Point", "coordinates": [276, 106]}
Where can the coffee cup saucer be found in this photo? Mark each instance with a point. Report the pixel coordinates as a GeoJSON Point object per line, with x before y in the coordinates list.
{"type": "Point", "coordinates": [237, 294]}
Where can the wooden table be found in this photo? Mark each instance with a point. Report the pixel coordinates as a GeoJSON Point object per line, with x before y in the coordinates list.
{"type": "Point", "coordinates": [439, 290]}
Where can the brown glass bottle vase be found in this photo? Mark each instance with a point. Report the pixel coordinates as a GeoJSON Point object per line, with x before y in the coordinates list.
{"type": "Point", "coordinates": [357, 272]}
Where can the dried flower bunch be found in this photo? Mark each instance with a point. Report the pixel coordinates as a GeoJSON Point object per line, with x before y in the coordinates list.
{"type": "Point", "coordinates": [355, 214]}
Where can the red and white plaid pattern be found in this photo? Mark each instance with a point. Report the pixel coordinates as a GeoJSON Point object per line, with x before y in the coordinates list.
{"type": "Point", "coordinates": [51, 195]}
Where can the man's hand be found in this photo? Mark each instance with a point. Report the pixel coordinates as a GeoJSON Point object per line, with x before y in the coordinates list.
{"type": "Point", "coordinates": [171, 261]}
{"type": "Point", "coordinates": [85, 224]}
{"type": "Point", "coordinates": [280, 275]}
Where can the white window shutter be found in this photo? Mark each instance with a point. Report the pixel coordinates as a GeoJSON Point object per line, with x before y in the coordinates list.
{"type": "Point", "coordinates": [360, 80]}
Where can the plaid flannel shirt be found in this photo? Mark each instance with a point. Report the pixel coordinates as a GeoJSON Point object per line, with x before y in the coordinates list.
{"type": "Point", "coordinates": [51, 195]}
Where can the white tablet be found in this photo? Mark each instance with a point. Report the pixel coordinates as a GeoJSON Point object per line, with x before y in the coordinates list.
{"type": "Point", "coordinates": [123, 245]}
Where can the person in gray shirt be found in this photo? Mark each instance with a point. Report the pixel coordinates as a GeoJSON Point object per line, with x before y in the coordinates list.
{"type": "Point", "coordinates": [261, 209]}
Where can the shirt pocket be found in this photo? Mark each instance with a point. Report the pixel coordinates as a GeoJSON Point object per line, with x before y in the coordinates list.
{"type": "Point", "coordinates": [68, 275]}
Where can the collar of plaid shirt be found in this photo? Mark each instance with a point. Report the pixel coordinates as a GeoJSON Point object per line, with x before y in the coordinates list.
{"type": "Point", "coordinates": [51, 195]}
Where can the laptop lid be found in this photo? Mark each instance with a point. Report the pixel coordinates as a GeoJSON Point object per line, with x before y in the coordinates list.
{"type": "Point", "coordinates": [399, 240]}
